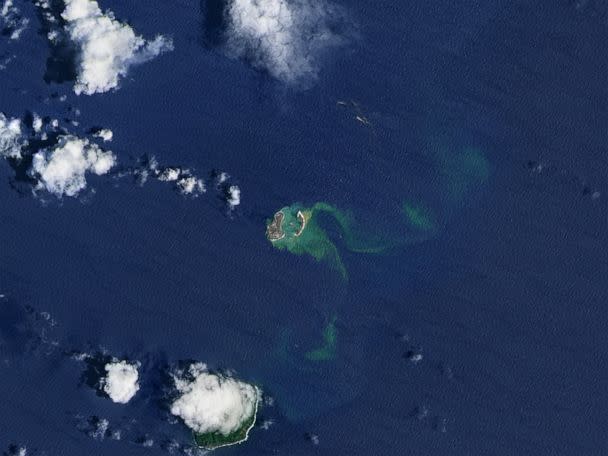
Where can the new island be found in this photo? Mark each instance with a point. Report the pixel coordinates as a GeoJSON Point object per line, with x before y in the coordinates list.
{"type": "Point", "coordinates": [285, 226]}
{"type": "Point", "coordinates": [296, 229]}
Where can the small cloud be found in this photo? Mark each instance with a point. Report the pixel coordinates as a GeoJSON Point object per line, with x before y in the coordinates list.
{"type": "Point", "coordinates": [100, 430]}
{"type": "Point", "coordinates": [61, 170]}
{"type": "Point", "coordinates": [16, 450]}
{"type": "Point", "coordinates": [171, 446]}
{"type": "Point", "coordinates": [105, 134]}
{"type": "Point", "coordinates": [95, 427]}
{"type": "Point", "coordinates": [222, 177]}
{"type": "Point", "coordinates": [121, 382]}
{"type": "Point", "coordinates": [5, 59]}
{"type": "Point", "coordinates": [12, 23]}
{"type": "Point", "coordinates": [11, 139]}
{"type": "Point", "coordinates": [37, 123]}
{"type": "Point", "coordinates": [266, 424]}
{"type": "Point", "coordinates": [25, 332]}
{"type": "Point", "coordinates": [233, 196]}
{"type": "Point", "coordinates": [312, 438]}
{"type": "Point", "coordinates": [229, 192]}
{"type": "Point", "coordinates": [80, 356]}
{"type": "Point", "coordinates": [147, 442]}
{"type": "Point", "coordinates": [414, 356]}
{"type": "Point", "coordinates": [210, 403]}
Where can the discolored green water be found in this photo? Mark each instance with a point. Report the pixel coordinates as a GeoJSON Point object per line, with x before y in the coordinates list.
{"type": "Point", "coordinates": [328, 350]}
{"type": "Point", "coordinates": [458, 175]}
{"type": "Point", "coordinates": [419, 217]}
{"type": "Point", "coordinates": [302, 235]}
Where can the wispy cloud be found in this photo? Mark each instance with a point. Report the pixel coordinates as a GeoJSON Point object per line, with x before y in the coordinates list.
{"type": "Point", "coordinates": [285, 38]}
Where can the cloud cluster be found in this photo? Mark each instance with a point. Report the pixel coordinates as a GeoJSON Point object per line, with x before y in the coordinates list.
{"type": "Point", "coordinates": [47, 15]}
{"type": "Point", "coordinates": [121, 381]}
{"type": "Point", "coordinates": [61, 170]}
{"type": "Point", "coordinates": [11, 139]}
{"type": "Point", "coordinates": [183, 179]}
{"type": "Point", "coordinates": [12, 23]}
{"type": "Point", "coordinates": [96, 427]}
{"type": "Point", "coordinates": [213, 403]}
{"type": "Point", "coordinates": [104, 48]}
{"type": "Point", "coordinates": [49, 158]}
{"type": "Point", "coordinates": [230, 193]}
{"type": "Point", "coordinates": [282, 37]}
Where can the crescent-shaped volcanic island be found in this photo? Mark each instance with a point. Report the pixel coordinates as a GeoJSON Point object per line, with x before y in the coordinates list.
{"type": "Point", "coordinates": [295, 229]}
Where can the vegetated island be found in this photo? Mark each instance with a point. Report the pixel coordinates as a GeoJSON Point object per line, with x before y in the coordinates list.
{"type": "Point", "coordinates": [219, 409]}
{"type": "Point", "coordinates": [213, 440]}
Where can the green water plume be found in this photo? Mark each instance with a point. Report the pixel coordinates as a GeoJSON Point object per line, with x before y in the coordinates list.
{"type": "Point", "coordinates": [301, 230]}
{"type": "Point", "coordinates": [462, 171]}
{"type": "Point", "coordinates": [419, 217]}
{"type": "Point", "coordinates": [328, 350]}
{"type": "Point", "coordinates": [296, 229]}
{"type": "Point", "coordinates": [323, 380]}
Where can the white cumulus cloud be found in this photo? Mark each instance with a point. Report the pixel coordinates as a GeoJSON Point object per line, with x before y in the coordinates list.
{"type": "Point", "coordinates": [62, 169]}
{"type": "Point", "coordinates": [284, 37]}
{"type": "Point", "coordinates": [106, 48]}
{"type": "Point", "coordinates": [104, 133]}
{"type": "Point", "coordinates": [11, 139]}
{"type": "Point", "coordinates": [234, 196]}
{"type": "Point", "coordinates": [213, 403]}
{"type": "Point", "coordinates": [121, 382]}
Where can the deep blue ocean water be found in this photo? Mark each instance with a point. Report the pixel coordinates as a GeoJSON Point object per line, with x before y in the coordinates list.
{"type": "Point", "coordinates": [506, 301]}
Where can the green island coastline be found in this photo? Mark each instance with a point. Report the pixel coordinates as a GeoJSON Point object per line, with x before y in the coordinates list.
{"type": "Point", "coordinates": [214, 440]}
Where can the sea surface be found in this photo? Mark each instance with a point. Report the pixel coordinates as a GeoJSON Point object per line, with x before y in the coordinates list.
{"type": "Point", "coordinates": [506, 299]}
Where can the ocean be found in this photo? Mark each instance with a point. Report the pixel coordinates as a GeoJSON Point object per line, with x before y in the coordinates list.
{"type": "Point", "coordinates": [504, 298]}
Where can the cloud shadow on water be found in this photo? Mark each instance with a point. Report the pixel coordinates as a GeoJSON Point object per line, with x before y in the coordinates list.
{"type": "Point", "coordinates": [61, 63]}
{"type": "Point", "coordinates": [95, 371]}
{"type": "Point", "coordinates": [213, 18]}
